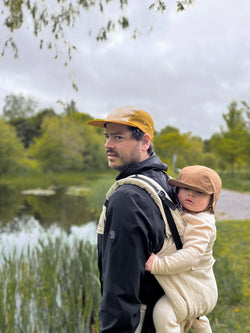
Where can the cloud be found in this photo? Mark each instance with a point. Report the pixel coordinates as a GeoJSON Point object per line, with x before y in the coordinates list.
{"type": "Point", "coordinates": [185, 73]}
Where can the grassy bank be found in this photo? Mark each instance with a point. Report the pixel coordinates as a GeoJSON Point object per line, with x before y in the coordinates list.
{"type": "Point", "coordinates": [232, 274]}
{"type": "Point", "coordinates": [231, 252]}
{"type": "Point", "coordinates": [55, 288]}
{"type": "Point", "coordinates": [238, 181]}
{"type": "Point", "coordinates": [44, 180]}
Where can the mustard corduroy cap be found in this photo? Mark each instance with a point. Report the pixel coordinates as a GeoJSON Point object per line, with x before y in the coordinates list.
{"type": "Point", "coordinates": [130, 116]}
{"type": "Point", "coordinates": [199, 178]}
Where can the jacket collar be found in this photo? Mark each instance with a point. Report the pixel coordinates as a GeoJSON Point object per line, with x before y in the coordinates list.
{"type": "Point", "coordinates": [153, 162]}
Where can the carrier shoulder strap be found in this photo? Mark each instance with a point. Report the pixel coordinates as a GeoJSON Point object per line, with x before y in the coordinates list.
{"type": "Point", "coordinates": [166, 203]}
{"type": "Point", "coordinates": [161, 198]}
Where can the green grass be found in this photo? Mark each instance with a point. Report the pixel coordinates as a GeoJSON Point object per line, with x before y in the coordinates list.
{"type": "Point", "coordinates": [44, 180]}
{"type": "Point", "coordinates": [239, 181]}
{"type": "Point", "coordinates": [232, 274]}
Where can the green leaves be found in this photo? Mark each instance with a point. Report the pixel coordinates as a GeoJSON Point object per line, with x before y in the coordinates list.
{"type": "Point", "coordinates": [232, 144]}
{"type": "Point", "coordinates": [159, 6]}
{"type": "Point", "coordinates": [181, 5]}
{"type": "Point", "coordinates": [226, 150]}
{"type": "Point", "coordinates": [67, 143]}
{"type": "Point", "coordinates": [11, 149]}
{"type": "Point", "coordinates": [53, 18]}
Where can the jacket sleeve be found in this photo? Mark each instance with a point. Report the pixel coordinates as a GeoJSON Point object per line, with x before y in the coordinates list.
{"type": "Point", "coordinates": [199, 230]}
{"type": "Point", "coordinates": [124, 252]}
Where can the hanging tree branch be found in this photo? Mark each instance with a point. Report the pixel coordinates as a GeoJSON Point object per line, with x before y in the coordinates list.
{"type": "Point", "coordinates": [53, 18]}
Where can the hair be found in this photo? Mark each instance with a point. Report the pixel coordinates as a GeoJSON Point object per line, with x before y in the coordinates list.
{"type": "Point", "coordinates": [210, 205]}
{"type": "Point", "coordinates": [137, 134]}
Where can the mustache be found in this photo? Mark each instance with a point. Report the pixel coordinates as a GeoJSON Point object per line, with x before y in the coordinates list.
{"type": "Point", "coordinates": [110, 151]}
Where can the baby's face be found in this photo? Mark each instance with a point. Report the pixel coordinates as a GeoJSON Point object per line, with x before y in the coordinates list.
{"type": "Point", "coordinates": [193, 201]}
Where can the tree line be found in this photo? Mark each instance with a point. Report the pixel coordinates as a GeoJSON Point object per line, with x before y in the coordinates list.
{"type": "Point", "coordinates": [46, 141]}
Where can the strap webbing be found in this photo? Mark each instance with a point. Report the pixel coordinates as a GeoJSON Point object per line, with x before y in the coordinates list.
{"type": "Point", "coordinates": [166, 205]}
{"type": "Point", "coordinates": [171, 223]}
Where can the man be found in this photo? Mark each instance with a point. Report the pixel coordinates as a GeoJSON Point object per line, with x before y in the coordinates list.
{"type": "Point", "coordinates": [134, 227]}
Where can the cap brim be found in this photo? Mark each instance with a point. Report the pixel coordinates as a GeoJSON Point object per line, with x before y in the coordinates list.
{"type": "Point", "coordinates": [97, 123]}
{"type": "Point", "coordinates": [102, 122]}
{"type": "Point", "coordinates": [177, 183]}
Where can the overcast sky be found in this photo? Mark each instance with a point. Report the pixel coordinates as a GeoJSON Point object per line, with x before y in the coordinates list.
{"type": "Point", "coordinates": [185, 73]}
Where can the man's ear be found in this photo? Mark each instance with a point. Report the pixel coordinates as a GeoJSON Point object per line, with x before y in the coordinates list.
{"type": "Point", "coordinates": [146, 141]}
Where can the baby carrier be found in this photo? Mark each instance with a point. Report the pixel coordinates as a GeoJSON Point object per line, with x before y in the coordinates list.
{"type": "Point", "coordinates": [167, 207]}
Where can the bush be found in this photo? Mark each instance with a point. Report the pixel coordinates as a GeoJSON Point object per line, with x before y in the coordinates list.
{"type": "Point", "coordinates": [11, 149]}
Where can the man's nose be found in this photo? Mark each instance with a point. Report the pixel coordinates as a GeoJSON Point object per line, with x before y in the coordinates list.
{"type": "Point", "coordinates": [108, 143]}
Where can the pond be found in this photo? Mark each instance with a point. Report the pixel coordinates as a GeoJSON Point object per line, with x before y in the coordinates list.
{"type": "Point", "coordinates": [63, 206]}
{"type": "Point", "coordinates": [26, 233]}
{"type": "Point", "coordinates": [30, 216]}
{"type": "Point", "coordinates": [47, 256]}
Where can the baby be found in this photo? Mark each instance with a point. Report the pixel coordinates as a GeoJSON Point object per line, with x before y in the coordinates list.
{"type": "Point", "coordinates": [187, 275]}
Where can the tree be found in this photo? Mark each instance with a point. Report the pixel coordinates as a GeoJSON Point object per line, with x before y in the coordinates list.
{"type": "Point", "coordinates": [231, 144]}
{"type": "Point", "coordinates": [53, 18]}
{"type": "Point", "coordinates": [20, 112]}
{"type": "Point", "coordinates": [18, 106]}
{"type": "Point", "coordinates": [11, 149]}
{"type": "Point", "coordinates": [93, 149]}
{"type": "Point", "coordinates": [246, 115]}
{"type": "Point", "coordinates": [187, 148]}
{"type": "Point", "coordinates": [70, 108]}
{"type": "Point", "coordinates": [68, 144]}
{"type": "Point", "coordinates": [59, 147]}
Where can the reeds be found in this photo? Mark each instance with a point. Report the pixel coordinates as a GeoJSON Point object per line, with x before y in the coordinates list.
{"type": "Point", "coordinates": [54, 287]}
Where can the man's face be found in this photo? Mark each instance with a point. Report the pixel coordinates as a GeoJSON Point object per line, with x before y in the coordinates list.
{"type": "Point", "coordinates": [121, 148]}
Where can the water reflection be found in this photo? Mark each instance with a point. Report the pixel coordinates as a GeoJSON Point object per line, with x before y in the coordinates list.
{"type": "Point", "coordinates": [22, 235]}
{"type": "Point", "coordinates": [61, 208]}
{"type": "Point", "coordinates": [10, 203]}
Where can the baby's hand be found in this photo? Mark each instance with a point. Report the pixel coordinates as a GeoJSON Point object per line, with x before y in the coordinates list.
{"type": "Point", "coordinates": [148, 265]}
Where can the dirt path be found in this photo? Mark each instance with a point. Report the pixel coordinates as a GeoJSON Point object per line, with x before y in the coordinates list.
{"type": "Point", "coordinates": [233, 205]}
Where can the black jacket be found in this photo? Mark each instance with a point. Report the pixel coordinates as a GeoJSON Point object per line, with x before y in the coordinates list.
{"type": "Point", "coordinates": [134, 229]}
